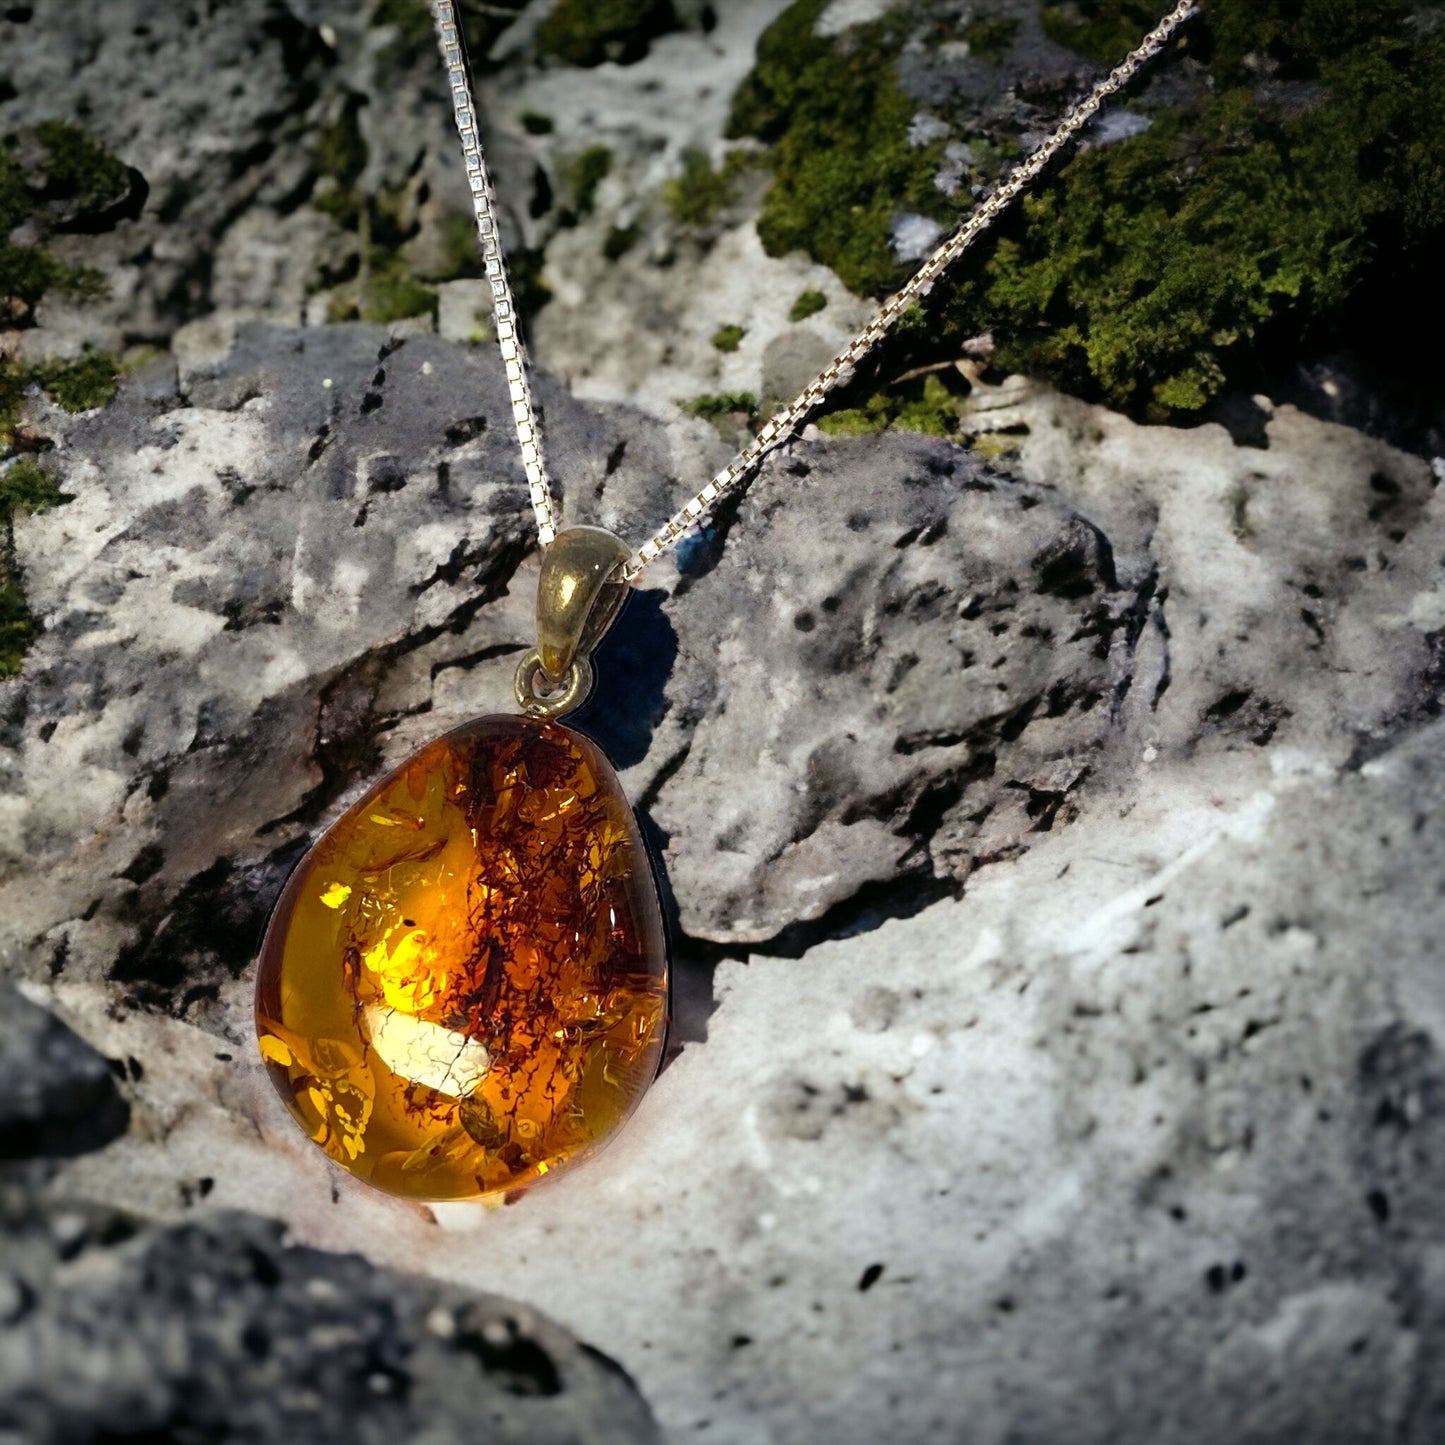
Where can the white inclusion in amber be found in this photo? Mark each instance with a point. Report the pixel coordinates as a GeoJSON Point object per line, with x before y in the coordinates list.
{"type": "Point", "coordinates": [426, 1053]}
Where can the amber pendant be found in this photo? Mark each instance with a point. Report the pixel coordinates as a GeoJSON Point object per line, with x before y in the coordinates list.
{"type": "Point", "coordinates": [464, 985]}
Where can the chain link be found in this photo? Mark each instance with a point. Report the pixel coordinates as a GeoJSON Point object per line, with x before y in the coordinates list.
{"type": "Point", "coordinates": [504, 307]}
{"type": "Point", "coordinates": [782, 424]}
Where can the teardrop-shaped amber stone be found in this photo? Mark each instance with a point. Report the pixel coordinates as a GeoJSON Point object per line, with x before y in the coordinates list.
{"type": "Point", "coordinates": [464, 984]}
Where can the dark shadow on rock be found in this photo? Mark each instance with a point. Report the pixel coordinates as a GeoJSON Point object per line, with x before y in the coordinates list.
{"type": "Point", "coordinates": [206, 935]}
{"type": "Point", "coordinates": [633, 665]}
{"type": "Point", "coordinates": [691, 1001]}
{"type": "Point", "coordinates": [1243, 418]}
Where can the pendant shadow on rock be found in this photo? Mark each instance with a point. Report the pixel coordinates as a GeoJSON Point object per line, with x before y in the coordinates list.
{"type": "Point", "coordinates": [634, 662]}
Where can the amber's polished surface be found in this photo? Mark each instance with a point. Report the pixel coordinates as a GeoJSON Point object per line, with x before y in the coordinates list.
{"type": "Point", "coordinates": [464, 985]}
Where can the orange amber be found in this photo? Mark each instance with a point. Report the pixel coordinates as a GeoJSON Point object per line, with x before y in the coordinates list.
{"type": "Point", "coordinates": [464, 985]}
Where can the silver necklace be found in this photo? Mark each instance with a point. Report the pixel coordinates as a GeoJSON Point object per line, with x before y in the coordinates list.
{"type": "Point", "coordinates": [784, 423]}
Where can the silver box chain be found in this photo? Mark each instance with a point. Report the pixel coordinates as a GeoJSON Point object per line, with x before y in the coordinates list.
{"type": "Point", "coordinates": [504, 306]}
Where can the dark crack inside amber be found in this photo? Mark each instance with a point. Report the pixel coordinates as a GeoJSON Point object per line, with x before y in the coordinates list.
{"type": "Point", "coordinates": [464, 985]}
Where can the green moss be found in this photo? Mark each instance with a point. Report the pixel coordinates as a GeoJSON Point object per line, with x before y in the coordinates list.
{"type": "Point", "coordinates": [18, 627]}
{"type": "Point", "coordinates": [1153, 267]}
{"type": "Point", "coordinates": [1105, 34]}
{"type": "Point", "coordinates": [731, 414]}
{"type": "Point", "coordinates": [620, 240]}
{"type": "Point", "coordinates": [78, 171]}
{"type": "Point", "coordinates": [385, 290]}
{"type": "Point", "coordinates": [26, 274]}
{"type": "Point", "coordinates": [587, 32]}
{"type": "Point", "coordinates": [525, 265]}
{"type": "Point", "coordinates": [809, 303]}
{"type": "Point", "coordinates": [15, 202]}
{"type": "Point", "coordinates": [376, 278]}
{"type": "Point", "coordinates": [50, 176]}
{"type": "Point", "coordinates": [697, 195]}
{"type": "Point", "coordinates": [25, 488]}
{"type": "Point", "coordinates": [535, 123]}
{"type": "Point", "coordinates": [459, 251]}
{"type": "Point", "coordinates": [1148, 272]}
{"type": "Point", "coordinates": [341, 150]}
{"type": "Point", "coordinates": [584, 174]}
{"type": "Point", "coordinates": [341, 155]}
{"type": "Point", "coordinates": [875, 415]}
{"type": "Point", "coordinates": [991, 36]}
{"type": "Point", "coordinates": [837, 121]}
{"type": "Point", "coordinates": [1298, 35]}
{"type": "Point", "coordinates": [13, 381]}
{"type": "Point", "coordinates": [395, 293]}
{"type": "Point", "coordinates": [76, 385]}
{"type": "Point", "coordinates": [930, 408]}
{"type": "Point", "coordinates": [80, 385]}
{"type": "Point", "coordinates": [729, 338]}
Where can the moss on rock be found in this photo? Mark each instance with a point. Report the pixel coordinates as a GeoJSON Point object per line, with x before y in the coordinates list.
{"type": "Point", "coordinates": [927, 406]}
{"type": "Point", "coordinates": [81, 385]}
{"type": "Point", "coordinates": [990, 36]}
{"type": "Point", "coordinates": [699, 192]}
{"type": "Point", "coordinates": [52, 176]}
{"type": "Point", "coordinates": [412, 41]}
{"type": "Point", "coordinates": [836, 120]}
{"type": "Point", "coordinates": [377, 279]}
{"type": "Point", "coordinates": [732, 414]}
{"type": "Point", "coordinates": [1148, 271]}
{"type": "Point", "coordinates": [619, 240]}
{"type": "Point", "coordinates": [78, 176]}
{"type": "Point", "coordinates": [18, 627]}
{"type": "Point", "coordinates": [393, 292]}
{"type": "Point", "coordinates": [588, 32]}
{"type": "Point", "coordinates": [809, 303]}
{"type": "Point", "coordinates": [584, 174]}
{"type": "Point", "coordinates": [340, 153]}
{"type": "Point", "coordinates": [25, 487]}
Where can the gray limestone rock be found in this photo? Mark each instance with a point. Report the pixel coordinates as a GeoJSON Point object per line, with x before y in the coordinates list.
{"type": "Point", "coordinates": [881, 683]}
{"type": "Point", "coordinates": [283, 560]}
{"type": "Point", "coordinates": [1053, 826]}
{"type": "Point", "coordinates": [114, 1330]}
{"type": "Point", "coordinates": [1094, 787]}
{"type": "Point", "coordinates": [57, 1095]}
{"type": "Point", "coordinates": [242, 86]}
